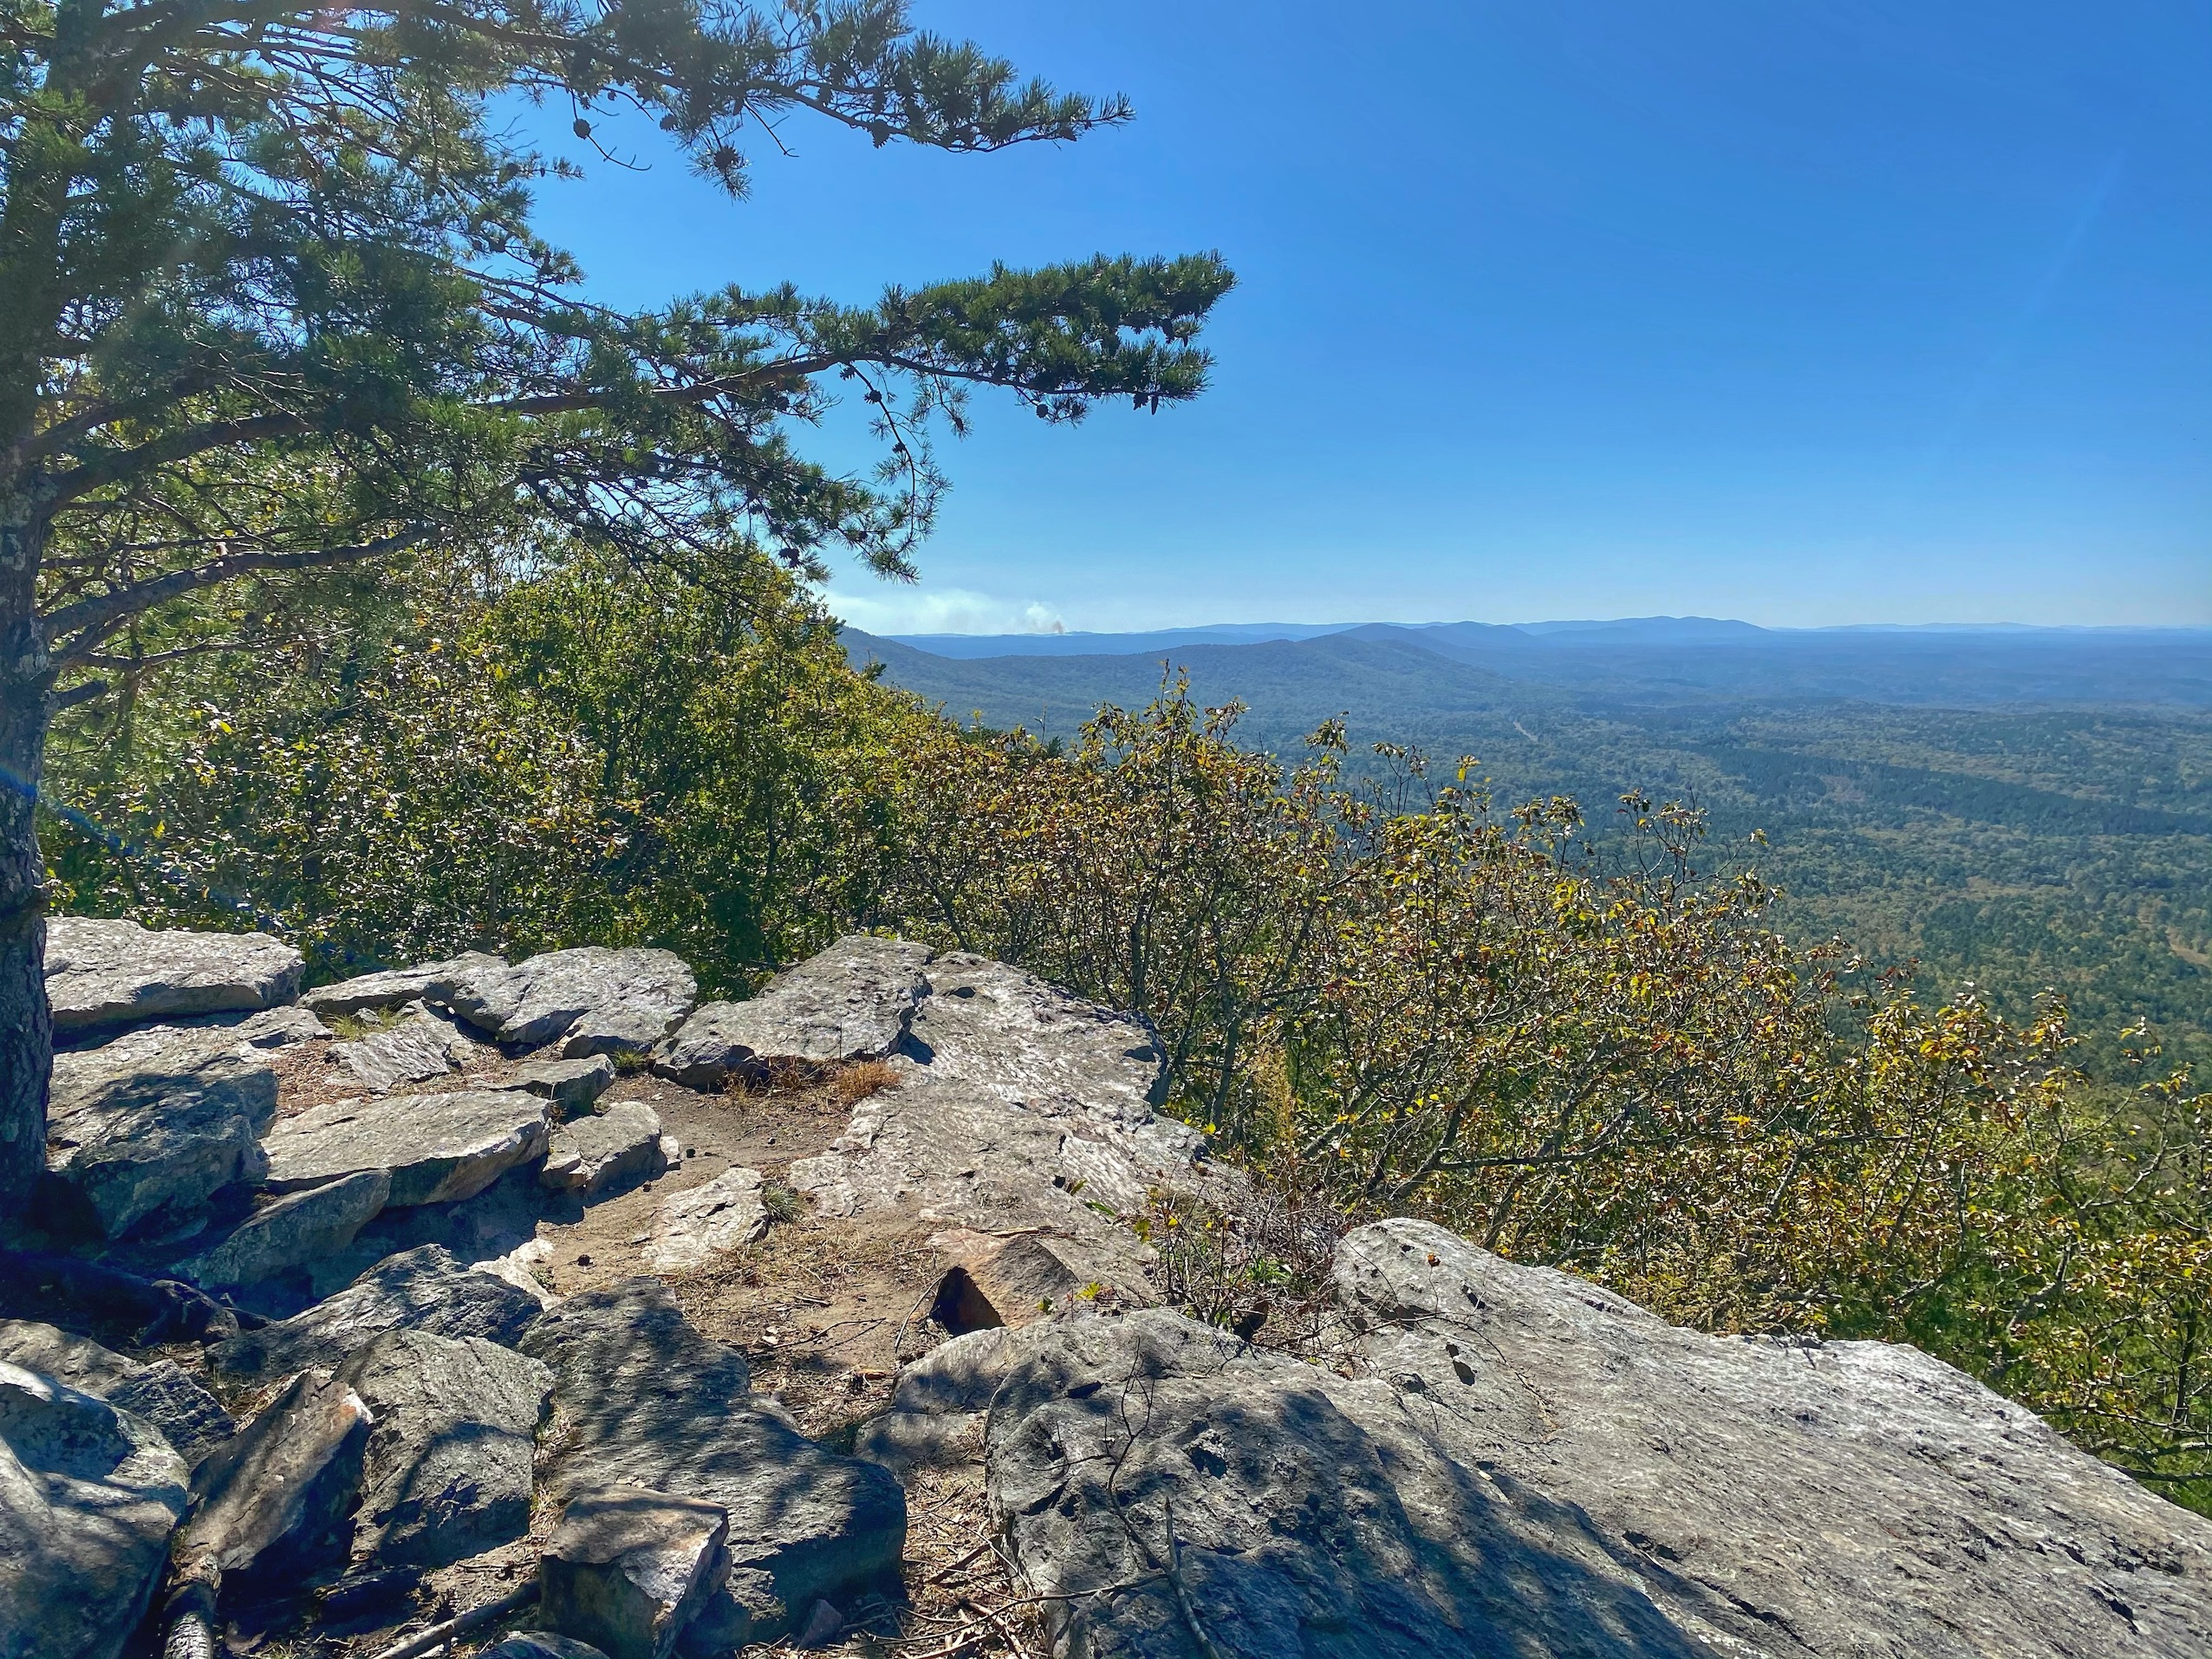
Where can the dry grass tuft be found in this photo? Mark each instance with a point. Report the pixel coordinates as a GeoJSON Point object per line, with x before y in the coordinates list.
{"type": "Point", "coordinates": [856, 1081]}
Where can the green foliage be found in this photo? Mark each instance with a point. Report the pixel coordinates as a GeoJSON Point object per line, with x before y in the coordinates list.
{"type": "Point", "coordinates": [587, 757]}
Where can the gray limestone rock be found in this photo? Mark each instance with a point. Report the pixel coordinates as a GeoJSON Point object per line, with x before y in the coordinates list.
{"type": "Point", "coordinates": [571, 1085]}
{"type": "Point", "coordinates": [272, 1509]}
{"type": "Point", "coordinates": [106, 972]}
{"type": "Point", "coordinates": [437, 1148]}
{"type": "Point", "coordinates": [143, 1131]}
{"type": "Point", "coordinates": [88, 1495]}
{"type": "Point", "coordinates": [432, 982]}
{"type": "Point", "coordinates": [163, 1394]}
{"type": "Point", "coordinates": [300, 1228]}
{"type": "Point", "coordinates": [627, 1569]}
{"type": "Point", "coordinates": [850, 1002]}
{"type": "Point", "coordinates": [448, 1471]}
{"type": "Point", "coordinates": [1018, 1107]}
{"type": "Point", "coordinates": [597, 1000]}
{"type": "Point", "coordinates": [424, 1289]}
{"type": "Point", "coordinates": [593, 1156]}
{"type": "Point", "coordinates": [652, 1404]}
{"type": "Point", "coordinates": [690, 1226]}
{"type": "Point", "coordinates": [1534, 1465]}
{"type": "Point", "coordinates": [418, 1046]}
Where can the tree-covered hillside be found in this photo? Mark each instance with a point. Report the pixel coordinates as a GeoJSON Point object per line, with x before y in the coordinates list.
{"type": "Point", "coordinates": [2022, 811]}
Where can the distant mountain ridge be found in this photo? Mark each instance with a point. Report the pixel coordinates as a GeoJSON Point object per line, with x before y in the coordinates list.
{"type": "Point", "coordinates": [1407, 678]}
{"type": "Point", "coordinates": [1647, 631]}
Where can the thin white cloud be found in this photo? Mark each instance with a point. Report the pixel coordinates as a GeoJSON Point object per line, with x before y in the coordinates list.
{"type": "Point", "coordinates": [943, 610]}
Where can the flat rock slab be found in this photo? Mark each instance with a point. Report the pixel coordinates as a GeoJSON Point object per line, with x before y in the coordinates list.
{"type": "Point", "coordinates": [163, 1394]}
{"type": "Point", "coordinates": [297, 1230]}
{"type": "Point", "coordinates": [142, 1131]}
{"type": "Point", "coordinates": [850, 1002]}
{"type": "Point", "coordinates": [107, 972]}
{"type": "Point", "coordinates": [691, 1228]}
{"type": "Point", "coordinates": [424, 1289]}
{"type": "Point", "coordinates": [1535, 1466]}
{"type": "Point", "coordinates": [652, 1404]}
{"type": "Point", "coordinates": [436, 1147]}
{"type": "Point", "coordinates": [596, 1000]}
{"type": "Point", "coordinates": [418, 1046]}
{"type": "Point", "coordinates": [431, 982]}
{"type": "Point", "coordinates": [1017, 1106]}
{"type": "Point", "coordinates": [593, 1156]}
{"type": "Point", "coordinates": [448, 1468]}
{"type": "Point", "coordinates": [1950, 1520]}
{"type": "Point", "coordinates": [627, 1569]}
{"type": "Point", "coordinates": [272, 1510]}
{"type": "Point", "coordinates": [88, 1495]}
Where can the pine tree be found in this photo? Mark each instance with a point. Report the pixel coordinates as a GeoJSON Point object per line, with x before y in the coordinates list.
{"type": "Point", "coordinates": [271, 303]}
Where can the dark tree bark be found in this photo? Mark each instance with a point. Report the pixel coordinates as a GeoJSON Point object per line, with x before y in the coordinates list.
{"type": "Point", "coordinates": [26, 1021]}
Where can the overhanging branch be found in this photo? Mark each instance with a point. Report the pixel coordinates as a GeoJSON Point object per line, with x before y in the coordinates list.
{"type": "Point", "coordinates": [90, 621]}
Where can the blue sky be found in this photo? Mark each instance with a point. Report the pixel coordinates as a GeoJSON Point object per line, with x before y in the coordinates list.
{"type": "Point", "coordinates": [1808, 313]}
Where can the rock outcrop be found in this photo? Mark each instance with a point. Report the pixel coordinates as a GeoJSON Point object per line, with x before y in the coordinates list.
{"type": "Point", "coordinates": [102, 972]}
{"type": "Point", "coordinates": [88, 1495]}
{"type": "Point", "coordinates": [593, 1156]}
{"type": "Point", "coordinates": [628, 1568]}
{"type": "Point", "coordinates": [723, 1214]}
{"type": "Point", "coordinates": [162, 1393]}
{"type": "Point", "coordinates": [1535, 1465]}
{"type": "Point", "coordinates": [1017, 1106]}
{"type": "Point", "coordinates": [1496, 1459]}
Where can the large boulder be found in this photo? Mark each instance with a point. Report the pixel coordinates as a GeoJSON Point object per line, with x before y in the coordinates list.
{"type": "Point", "coordinates": [1530, 1464]}
{"type": "Point", "coordinates": [651, 1403]}
{"type": "Point", "coordinates": [436, 1147]}
{"type": "Point", "coordinates": [272, 1510]}
{"type": "Point", "coordinates": [1018, 1107]}
{"type": "Point", "coordinates": [850, 1002]}
{"type": "Point", "coordinates": [593, 1156]}
{"type": "Point", "coordinates": [448, 1470]}
{"type": "Point", "coordinates": [88, 1495]}
{"type": "Point", "coordinates": [143, 1131]}
{"type": "Point", "coordinates": [294, 1231]}
{"type": "Point", "coordinates": [162, 1393]}
{"type": "Point", "coordinates": [596, 1000]}
{"type": "Point", "coordinates": [424, 1289]}
{"type": "Point", "coordinates": [109, 973]}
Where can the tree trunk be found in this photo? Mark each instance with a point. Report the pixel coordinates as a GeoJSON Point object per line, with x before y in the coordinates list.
{"type": "Point", "coordinates": [26, 1021]}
